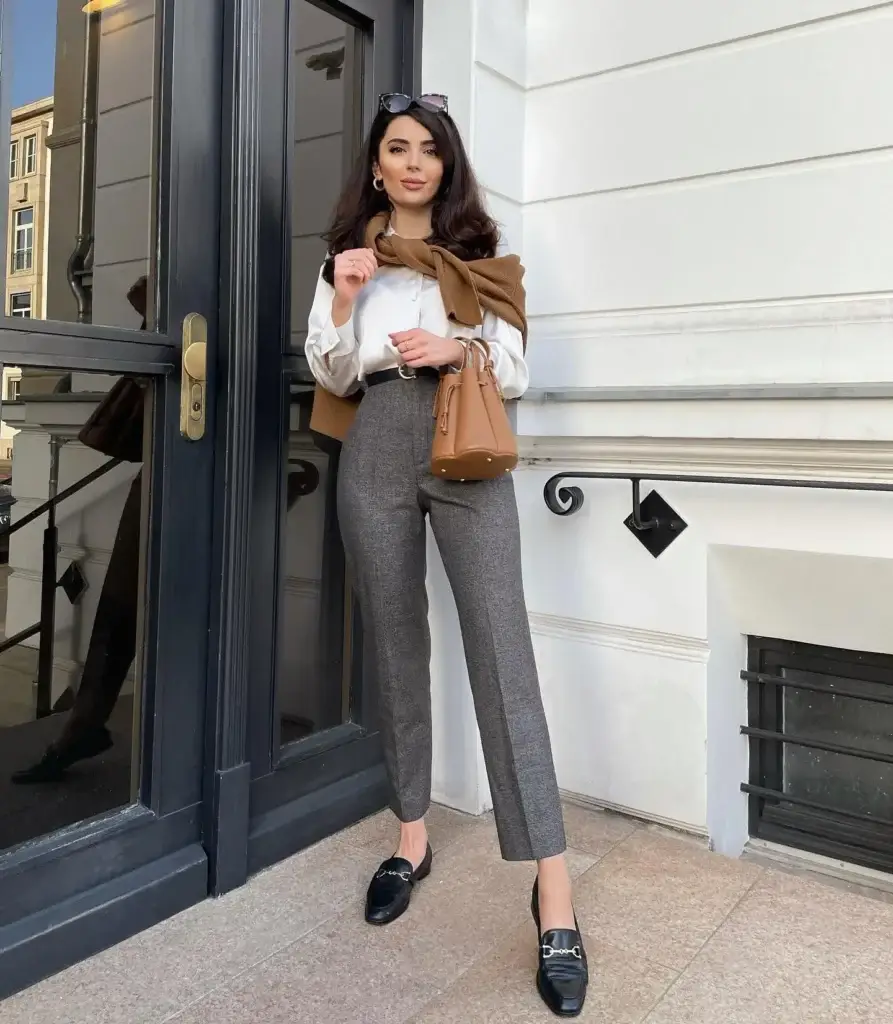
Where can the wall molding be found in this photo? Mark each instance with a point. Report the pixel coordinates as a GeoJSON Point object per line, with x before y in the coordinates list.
{"type": "Point", "coordinates": [621, 638]}
{"type": "Point", "coordinates": [756, 37]}
{"type": "Point", "coordinates": [867, 461]}
{"type": "Point", "coordinates": [84, 556]}
{"type": "Point", "coordinates": [684, 829]}
{"type": "Point", "coordinates": [501, 75]}
{"type": "Point", "coordinates": [738, 316]}
{"type": "Point", "coordinates": [710, 393]}
{"type": "Point", "coordinates": [302, 586]}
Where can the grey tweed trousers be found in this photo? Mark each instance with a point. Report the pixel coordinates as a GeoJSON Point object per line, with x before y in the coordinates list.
{"type": "Point", "coordinates": [385, 491]}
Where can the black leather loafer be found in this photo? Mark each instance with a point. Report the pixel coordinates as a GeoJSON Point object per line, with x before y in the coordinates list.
{"type": "Point", "coordinates": [54, 764]}
{"type": "Point", "coordinates": [391, 888]}
{"type": "Point", "coordinates": [563, 973]}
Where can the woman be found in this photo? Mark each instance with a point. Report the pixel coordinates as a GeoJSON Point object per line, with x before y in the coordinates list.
{"type": "Point", "coordinates": [412, 274]}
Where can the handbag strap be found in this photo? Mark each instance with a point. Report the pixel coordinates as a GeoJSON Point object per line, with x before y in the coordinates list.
{"type": "Point", "coordinates": [472, 347]}
{"type": "Point", "coordinates": [478, 344]}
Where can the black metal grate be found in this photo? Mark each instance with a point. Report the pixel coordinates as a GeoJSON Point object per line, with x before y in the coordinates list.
{"type": "Point", "coordinates": [820, 723]}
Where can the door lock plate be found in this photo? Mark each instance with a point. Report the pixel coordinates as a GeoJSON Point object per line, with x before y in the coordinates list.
{"type": "Point", "coordinates": [194, 377]}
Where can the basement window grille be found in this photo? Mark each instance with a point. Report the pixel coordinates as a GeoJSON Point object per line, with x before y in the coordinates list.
{"type": "Point", "coordinates": [820, 726]}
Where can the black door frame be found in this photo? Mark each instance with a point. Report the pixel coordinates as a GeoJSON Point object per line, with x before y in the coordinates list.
{"type": "Point", "coordinates": [75, 892]}
{"type": "Point", "coordinates": [333, 778]}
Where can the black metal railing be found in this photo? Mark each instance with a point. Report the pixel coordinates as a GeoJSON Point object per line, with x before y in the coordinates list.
{"type": "Point", "coordinates": [654, 522]}
{"type": "Point", "coordinates": [564, 501]}
{"type": "Point", "coordinates": [20, 637]}
{"type": "Point", "coordinates": [71, 581]}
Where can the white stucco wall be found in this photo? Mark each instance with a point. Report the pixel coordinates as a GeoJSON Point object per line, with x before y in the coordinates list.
{"type": "Point", "coordinates": [700, 210]}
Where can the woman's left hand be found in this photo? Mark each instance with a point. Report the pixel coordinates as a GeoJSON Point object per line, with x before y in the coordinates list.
{"type": "Point", "coordinates": [422, 348]}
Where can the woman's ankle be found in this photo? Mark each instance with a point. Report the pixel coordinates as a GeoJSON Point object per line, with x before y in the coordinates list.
{"type": "Point", "coordinates": [555, 894]}
{"type": "Point", "coordinates": [413, 841]}
{"type": "Point", "coordinates": [553, 869]}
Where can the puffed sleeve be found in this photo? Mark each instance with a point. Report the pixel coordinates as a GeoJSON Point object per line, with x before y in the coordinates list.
{"type": "Point", "coordinates": [332, 352]}
{"type": "Point", "coordinates": [507, 349]}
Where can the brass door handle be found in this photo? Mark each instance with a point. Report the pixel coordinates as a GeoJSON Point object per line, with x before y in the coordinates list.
{"type": "Point", "coordinates": [193, 380]}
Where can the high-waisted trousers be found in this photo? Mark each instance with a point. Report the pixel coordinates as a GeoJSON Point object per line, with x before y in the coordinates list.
{"type": "Point", "coordinates": [385, 491]}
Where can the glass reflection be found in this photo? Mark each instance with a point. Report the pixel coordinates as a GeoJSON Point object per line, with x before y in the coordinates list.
{"type": "Point", "coordinates": [81, 160]}
{"type": "Point", "coordinates": [314, 658]}
{"type": "Point", "coordinates": [71, 552]}
{"type": "Point", "coordinates": [850, 783]}
{"type": "Point", "coordinates": [312, 684]}
{"type": "Point", "coordinates": [327, 78]}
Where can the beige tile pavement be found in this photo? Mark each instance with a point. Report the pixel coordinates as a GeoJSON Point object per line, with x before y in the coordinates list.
{"type": "Point", "coordinates": [793, 951]}
{"type": "Point", "coordinates": [499, 988]}
{"type": "Point", "coordinates": [95, 992]}
{"type": "Point", "coordinates": [661, 896]}
{"type": "Point", "coordinates": [675, 935]}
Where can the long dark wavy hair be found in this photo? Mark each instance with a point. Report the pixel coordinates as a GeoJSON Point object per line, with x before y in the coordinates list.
{"type": "Point", "coordinates": [460, 222]}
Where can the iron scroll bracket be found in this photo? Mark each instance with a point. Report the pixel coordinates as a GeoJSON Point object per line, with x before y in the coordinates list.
{"type": "Point", "coordinates": [653, 521]}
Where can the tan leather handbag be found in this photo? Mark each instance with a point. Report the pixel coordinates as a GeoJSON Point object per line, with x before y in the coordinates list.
{"type": "Point", "coordinates": [473, 439]}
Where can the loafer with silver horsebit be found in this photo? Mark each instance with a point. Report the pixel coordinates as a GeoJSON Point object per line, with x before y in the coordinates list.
{"type": "Point", "coordinates": [563, 973]}
{"type": "Point", "coordinates": [391, 888]}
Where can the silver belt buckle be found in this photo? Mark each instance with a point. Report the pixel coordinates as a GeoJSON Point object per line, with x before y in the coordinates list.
{"type": "Point", "coordinates": [411, 375]}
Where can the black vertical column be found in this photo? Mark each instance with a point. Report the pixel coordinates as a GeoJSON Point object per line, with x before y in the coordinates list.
{"type": "Point", "coordinates": [228, 777]}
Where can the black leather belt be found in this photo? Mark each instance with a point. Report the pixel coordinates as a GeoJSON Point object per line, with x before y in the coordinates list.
{"type": "Point", "coordinates": [383, 376]}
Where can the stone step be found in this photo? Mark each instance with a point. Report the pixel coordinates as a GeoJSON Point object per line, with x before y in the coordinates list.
{"type": "Point", "coordinates": [16, 694]}
{"type": "Point", "coordinates": [20, 659]}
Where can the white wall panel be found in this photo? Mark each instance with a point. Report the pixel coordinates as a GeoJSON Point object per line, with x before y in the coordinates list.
{"type": "Point", "coordinates": [809, 230]}
{"type": "Point", "coordinates": [818, 419]}
{"type": "Point", "coordinates": [125, 145]}
{"type": "Point", "coordinates": [126, 60]}
{"type": "Point", "coordinates": [501, 37]}
{"type": "Point", "coordinates": [111, 283]}
{"type": "Point", "coordinates": [783, 97]}
{"type": "Point", "coordinates": [122, 212]}
{"type": "Point", "coordinates": [448, 55]}
{"type": "Point", "coordinates": [602, 703]}
{"type": "Point", "coordinates": [836, 341]}
{"type": "Point", "coordinates": [510, 218]}
{"type": "Point", "coordinates": [570, 38]}
{"type": "Point", "coordinates": [497, 144]}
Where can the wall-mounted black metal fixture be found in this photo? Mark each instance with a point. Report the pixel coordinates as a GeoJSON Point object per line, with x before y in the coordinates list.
{"type": "Point", "coordinates": [332, 62]}
{"type": "Point", "coordinates": [653, 521]}
{"type": "Point", "coordinates": [807, 788]}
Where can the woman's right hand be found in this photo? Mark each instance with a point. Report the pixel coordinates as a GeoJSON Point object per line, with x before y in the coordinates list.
{"type": "Point", "coordinates": [353, 269]}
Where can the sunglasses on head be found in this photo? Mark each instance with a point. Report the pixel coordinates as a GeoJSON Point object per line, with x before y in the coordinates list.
{"type": "Point", "coordinates": [399, 102]}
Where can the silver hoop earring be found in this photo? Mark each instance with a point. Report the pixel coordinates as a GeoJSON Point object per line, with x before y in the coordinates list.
{"type": "Point", "coordinates": [378, 184]}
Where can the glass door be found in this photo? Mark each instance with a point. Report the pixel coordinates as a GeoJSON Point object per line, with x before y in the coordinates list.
{"type": "Point", "coordinates": [315, 754]}
{"type": "Point", "coordinates": [111, 110]}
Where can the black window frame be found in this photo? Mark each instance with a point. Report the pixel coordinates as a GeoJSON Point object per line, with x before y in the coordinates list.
{"type": "Point", "coordinates": [805, 824]}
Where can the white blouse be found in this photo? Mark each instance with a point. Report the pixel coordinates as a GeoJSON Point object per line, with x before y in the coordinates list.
{"type": "Point", "coordinates": [398, 299]}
